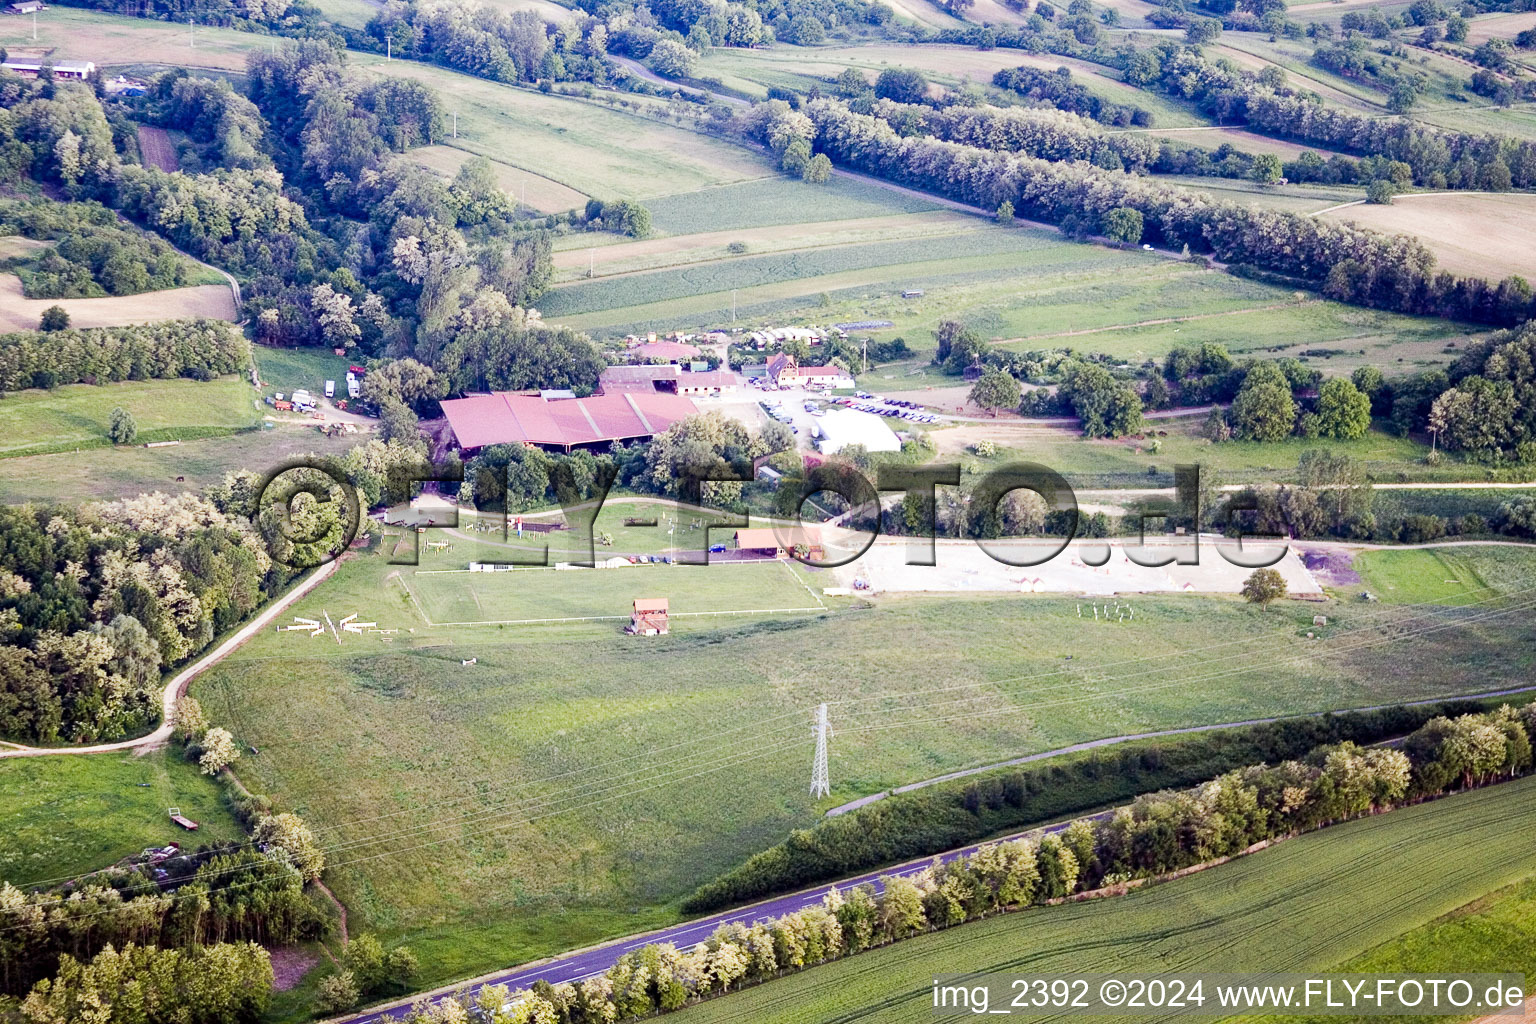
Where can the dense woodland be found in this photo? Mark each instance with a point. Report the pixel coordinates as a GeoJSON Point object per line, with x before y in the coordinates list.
{"type": "Point", "coordinates": [93, 252]}
{"type": "Point", "coordinates": [96, 600]}
{"type": "Point", "coordinates": [199, 349]}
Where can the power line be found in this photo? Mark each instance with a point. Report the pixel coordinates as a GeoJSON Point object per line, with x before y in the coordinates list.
{"type": "Point", "coordinates": [561, 803]}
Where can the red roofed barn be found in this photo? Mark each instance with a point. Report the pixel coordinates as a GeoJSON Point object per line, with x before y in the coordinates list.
{"type": "Point", "coordinates": [505, 417]}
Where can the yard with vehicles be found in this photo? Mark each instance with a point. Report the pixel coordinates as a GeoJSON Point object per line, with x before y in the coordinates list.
{"type": "Point", "coordinates": [514, 825]}
{"type": "Point", "coordinates": [1319, 902]}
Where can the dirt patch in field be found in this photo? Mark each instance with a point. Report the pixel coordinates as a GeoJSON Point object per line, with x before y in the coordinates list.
{"type": "Point", "coordinates": [18, 313]}
{"type": "Point", "coordinates": [156, 148]}
{"type": "Point", "coordinates": [289, 965]}
{"type": "Point", "coordinates": [1499, 26]}
{"type": "Point", "coordinates": [1469, 234]}
{"type": "Point", "coordinates": [539, 192]}
{"type": "Point", "coordinates": [12, 246]}
{"type": "Point", "coordinates": [1332, 566]}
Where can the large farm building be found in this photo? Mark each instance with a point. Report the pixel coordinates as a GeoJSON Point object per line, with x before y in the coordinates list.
{"type": "Point", "coordinates": [562, 424]}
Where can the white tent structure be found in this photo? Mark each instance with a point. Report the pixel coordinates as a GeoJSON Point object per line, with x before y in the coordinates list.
{"type": "Point", "coordinates": [843, 427]}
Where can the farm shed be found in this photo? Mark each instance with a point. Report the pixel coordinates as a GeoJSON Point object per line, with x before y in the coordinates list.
{"type": "Point", "coordinates": [843, 427]}
{"type": "Point", "coordinates": [70, 70]}
{"type": "Point", "coordinates": [781, 542]}
{"type": "Point", "coordinates": [564, 424]}
{"type": "Point", "coordinates": [649, 617]}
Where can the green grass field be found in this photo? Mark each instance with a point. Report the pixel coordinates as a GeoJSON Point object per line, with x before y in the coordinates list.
{"type": "Point", "coordinates": [76, 415]}
{"type": "Point", "coordinates": [1125, 462]}
{"type": "Point", "coordinates": [776, 200]}
{"type": "Point", "coordinates": [537, 595]}
{"type": "Point", "coordinates": [590, 147]}
{"type": "Point", "coordinates": [1444, 576]}
{"type": "Point", "coordinates": [288, 369]}
{"type": "Point", "coordinates": [65, 815]}
{"type": "Point", "coordinates": [1310, 904]}
{"type": "Point", "coordinates": [107, 472]}
{"type": "Point", "coordinates": [575, 782]}
{"type": "Point", "coordinates": [1491, 934]}
{"type": "Point", "coordinates": [489, 537]}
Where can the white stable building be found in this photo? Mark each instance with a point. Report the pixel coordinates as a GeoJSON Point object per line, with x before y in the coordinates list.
{"type": "Point", "coordinates": [843, 427]}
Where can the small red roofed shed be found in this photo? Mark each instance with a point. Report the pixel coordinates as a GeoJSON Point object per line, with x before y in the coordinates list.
{"type": "Point", "coordinates": [649, 617]}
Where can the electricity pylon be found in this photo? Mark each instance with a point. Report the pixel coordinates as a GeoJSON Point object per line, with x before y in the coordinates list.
{"type": "Point", "coordinates": [821, 779]}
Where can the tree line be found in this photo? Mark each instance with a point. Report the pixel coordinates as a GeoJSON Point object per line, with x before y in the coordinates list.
{"type": "Point", "coordinates": [1435, 157]}
{"type": "Point", "coordinates": [201, 349]}
{"type": "Point", "coordinates": [1157, 834]}
{"type": "Point", "coordinates": [218, 984]}
{"type": "Point", "coordinates": [940, 817]}
{"type": "Point", "coordinates": [1044, 132]}
{"type": "Point", "coordinates": [1059, 90]}
{"type": "Point", "coordinates": [1393, 272]}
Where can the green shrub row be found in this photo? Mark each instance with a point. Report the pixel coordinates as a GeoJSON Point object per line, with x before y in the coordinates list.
{"type": "Point", "coordinates": [948, 815]}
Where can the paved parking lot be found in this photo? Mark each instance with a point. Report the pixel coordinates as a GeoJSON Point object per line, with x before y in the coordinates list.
{"type": "Point", "coordinates": [963, 566]}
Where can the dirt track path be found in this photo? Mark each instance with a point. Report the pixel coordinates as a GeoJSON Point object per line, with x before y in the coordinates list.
{"type": "Point", "coordinates": [177, 686]}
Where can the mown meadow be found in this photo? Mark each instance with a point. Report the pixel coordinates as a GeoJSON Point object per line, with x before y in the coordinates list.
{"type": "Point", "coordinates": [575, 782]}
{"type": "Point", "coordinates": [1314, 903]}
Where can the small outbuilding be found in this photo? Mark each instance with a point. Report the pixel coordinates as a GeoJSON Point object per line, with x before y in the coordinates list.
{"type": "Point", "coordinates": [781, 542]}
{"type": "Point", "coordinates": [648, 617]}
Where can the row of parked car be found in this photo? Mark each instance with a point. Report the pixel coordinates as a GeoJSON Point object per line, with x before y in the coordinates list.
{"type": "Point", "coordinates": [898, 408]}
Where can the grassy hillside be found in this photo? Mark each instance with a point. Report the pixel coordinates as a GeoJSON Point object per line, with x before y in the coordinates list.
{"type": "Point", "coordinates": [575, 782]}
{"type": "Point", "coordinates": [76, 415]}
{"type": "Point", "coordinates": [1309, 904]}
{"type": "Point", "coordinates": [65, 815]}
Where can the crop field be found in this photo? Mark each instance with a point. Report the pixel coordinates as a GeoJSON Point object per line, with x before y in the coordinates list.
{"type": "Point", "coordinates": [588, 147]}
{"type": "Point", "coordinates": [1308, 198]}
{"type": "Point", "coordinates": [574, 782]}
{"type": "Point", "coordinates": [1466, 232]}
{"type": "Point", "coordinates": [1127, 462]}
{"type": "Point", "coordinates": [1499, 26]}
{"type": "Point", "coordinates": [113, 41]}
{"type": "Point", "coordinates": [753, 71]}
{"type": "Point", "coordinates": [105, 473]}
{"type": "Point", "coordinates": [75, 416]}
{"type": "Point", "coordinates": [65, 815]}
{"type": "Point", "coordinates": [1488, 934]}
{"type": "Point", "coordinates": [807, 264]}
{"type": "Point", "coordinates": [778, 201]}
{"type": "Point", "coordinates": [18, 313]}
{"type": "Point", "coordinates": [535, 190]}
{"type": "Point", "coordinates": [534, 596]}
{"type": "Point", "coordinates": [675, 250]}
{"type": "Point", "coordinates": [1309, 904]}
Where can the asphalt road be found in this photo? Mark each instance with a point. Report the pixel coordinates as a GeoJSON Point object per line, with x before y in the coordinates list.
{"type": "Point", "coordinates": [585, 963]}
{"type": "Point", "coordinates": [595, 960]}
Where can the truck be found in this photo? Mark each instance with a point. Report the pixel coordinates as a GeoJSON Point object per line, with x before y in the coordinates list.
{"type": "Point", "coordinates": [330, 389]}
{"type": "Point", "coordinates": [354, 388]}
